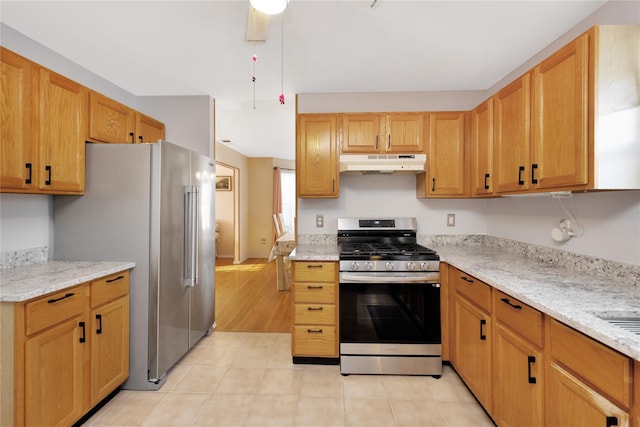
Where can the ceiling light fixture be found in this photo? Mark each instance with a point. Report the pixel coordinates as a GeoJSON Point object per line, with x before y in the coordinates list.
{"type": "Point", "coordinates": [270, 7]}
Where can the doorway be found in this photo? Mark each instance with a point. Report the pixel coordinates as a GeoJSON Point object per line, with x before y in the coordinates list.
{"type": "Point", "coordinates": [228, 212]}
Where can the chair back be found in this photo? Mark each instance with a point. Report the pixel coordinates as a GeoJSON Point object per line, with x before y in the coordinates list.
{"type": "Point", "coordinates": [278, 226]}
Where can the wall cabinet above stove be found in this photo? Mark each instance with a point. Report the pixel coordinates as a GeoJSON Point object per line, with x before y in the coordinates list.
{"type": "Point", "coordinates": [370, 133]}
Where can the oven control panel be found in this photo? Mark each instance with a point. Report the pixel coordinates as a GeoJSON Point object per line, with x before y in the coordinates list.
{"type": "Point", "coordinates": [394, 265]}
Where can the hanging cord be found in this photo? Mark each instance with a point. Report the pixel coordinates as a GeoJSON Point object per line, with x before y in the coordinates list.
{"type": "Point", "coordinates": [576, 227]}
{"type": "Point", "coordinates": [254, 58]}
{"type": "Point", "coordinates": [281, 97]}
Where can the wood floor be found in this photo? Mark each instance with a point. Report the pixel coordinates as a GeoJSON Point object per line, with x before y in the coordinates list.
{"type": "Point", "coordinates": [247, 299]}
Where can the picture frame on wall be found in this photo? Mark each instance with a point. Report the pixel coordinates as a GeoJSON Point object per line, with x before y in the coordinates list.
{"type": "Point", "coordinates": [223, 183]}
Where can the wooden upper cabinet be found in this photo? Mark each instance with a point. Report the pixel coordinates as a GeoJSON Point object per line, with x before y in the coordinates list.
{"type": "Point", "coordinates": [317, 155]}
{"type": "Point", "coordinates": [405, 133]}
{"type": "Point", "coordinates": [511, 134]}
{"type": "Point", "coordinates": [382, 133]}
{"type": "Point", "coordinates": [362, 133]}
{"type": "Point", "coordinates": [482, 148]}
{"type": "Point", "coordinates": [18, 128]}
{"type": "Point", "coordinates": [63, 128]}
{"type": "Point", "coordinates": [446, 169]}
{"type": "Point", "coordinates": [110, 121]}
{"type": "Point", "coordinates": [148, 129]}
{"type": "Point", "coordinates": [559, 117]}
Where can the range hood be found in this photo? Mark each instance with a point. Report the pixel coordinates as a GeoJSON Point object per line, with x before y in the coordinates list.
{"type": "Point", "coordinates": [382, 163]}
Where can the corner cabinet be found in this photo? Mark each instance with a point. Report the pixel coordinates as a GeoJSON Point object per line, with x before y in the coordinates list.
{"type": "Point", "coordinates": [70, 351]}
{"type": "Point", "coordinates": [482, 149]}
{"type": "Point", "coordinates": [315, 312]}
{"type": "Point", "coordinates": [317, 156]}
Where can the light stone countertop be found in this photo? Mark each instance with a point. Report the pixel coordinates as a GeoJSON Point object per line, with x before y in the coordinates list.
{"type": "Point", "coordinates": [569, 296]}
{"type": "Point", "coordinates": [315, 252]}
{"type": "Point", "coordinates": [34, 280]}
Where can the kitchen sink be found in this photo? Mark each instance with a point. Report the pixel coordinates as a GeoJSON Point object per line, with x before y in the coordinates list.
{"type": "Point", "coordinates": [627, 320]}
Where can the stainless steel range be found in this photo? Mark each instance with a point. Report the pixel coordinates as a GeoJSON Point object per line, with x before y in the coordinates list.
{"type": "Point", "coordinates": [389, 299]}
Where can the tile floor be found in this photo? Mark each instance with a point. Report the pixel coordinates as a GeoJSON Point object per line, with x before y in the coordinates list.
{"type": "Point", "coordinates": [247, 379]}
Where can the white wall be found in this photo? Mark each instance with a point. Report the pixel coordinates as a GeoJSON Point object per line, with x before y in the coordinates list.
{"type": "Point", "coordinates": [225, 212]}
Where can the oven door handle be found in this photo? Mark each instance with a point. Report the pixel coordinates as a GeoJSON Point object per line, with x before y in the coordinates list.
{"type": "Point", "coordinates": [358, 278]}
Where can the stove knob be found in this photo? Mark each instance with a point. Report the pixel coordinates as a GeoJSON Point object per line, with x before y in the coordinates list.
{"type": "Point", "coordinates": [388, 266]}
{"type": "Point", "coordinates": [368, 266]}
{"type": "Point", "coordinates": [355, 266]}
{"type": "Point", "coordinates": [424, 266]}
{"type": "Point", "coordinates": [411, 266]}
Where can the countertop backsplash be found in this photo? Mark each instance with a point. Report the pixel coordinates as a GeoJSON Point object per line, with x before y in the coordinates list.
{"type": "Point", "coordinates": [11, 259]}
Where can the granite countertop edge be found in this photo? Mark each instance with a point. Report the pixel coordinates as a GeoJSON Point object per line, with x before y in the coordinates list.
{"type": "Point", "coordinates": [26, 282]}
{"type": "Point", "coordinates": [571, 297]}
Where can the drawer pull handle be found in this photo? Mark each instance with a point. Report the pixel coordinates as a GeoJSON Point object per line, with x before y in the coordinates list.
{"type": "Point", "coordinates": [314, 331]}
{"type": "Point", "coordinates": [69, 295]}
{"type": "Point", "coordinates": [83, 338]}
{"type": "Point", "coordinates": [315, 308]}
{"type": "Point", "coordinates": [506, 301]}
{"type": "Point", "coordinates": [530, 360]}
{"type": "Point", "coordinates": [315, 287]}
{"type": "Point", "coordinates": [99, 319]}
{"type": "Point", "coordinates": [466, 279]}
{"type": "Point", "coordinates": [114, 279]}
{"type": "Point", "coordinates": [314, 266]}
{"type": "Point", "coordinates": [483, 337]}
{"type": "Point", "coordinates": [612, 421]}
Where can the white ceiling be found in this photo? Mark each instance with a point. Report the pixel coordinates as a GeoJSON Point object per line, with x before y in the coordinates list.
{"type": "Point", "coordinates": [198, 47]}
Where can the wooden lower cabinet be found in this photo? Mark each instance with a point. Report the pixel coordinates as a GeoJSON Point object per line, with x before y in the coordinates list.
{"type": "Point", "coordinates": [518, 380]}
{"type": "Point", "coordinates": [314, 333]}
{"type": "Point", "coordinates": [70, 351]}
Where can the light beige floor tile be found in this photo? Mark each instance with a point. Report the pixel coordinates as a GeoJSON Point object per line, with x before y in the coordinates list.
{"type": "Point", "coordinates": [266, 340]}
{"type": "Point", "coordinates": [218, 356]}
{"type": "Point", "coordinates": [253, 357]}
{"type": "Point", "coordinates": [321, 383]}
{"type": "Point", "coordinates": [368, 412]}
{"type": "Point", "coordinates": [174, 375]}
{"type": "Point", "coordinates": [240, 381]}
{"type": "Point", "coordinates": [128, 408]}
{"type": "Point", "coordinates": [225, 411]}
{"type": "Point", "coordinates": [464, 415]}
{"type": "Point", "coordinates": [464, 394]}
{"type": "Point", "coordinates": [367, 386]}
{"type": "Point", "coordinates": [282, 359]}
{"type": "Point", "coordinates": [281, 381]}
{"type": "Point", "coordinates": [177, 410]}
{"type": "Point", "coordinates": [200, 379]}
{"type": "Point", "coordinates": [416, 413]}
{"type": "Point", "coordinates": [320, 412]}
{"type": "Point", "coordinates": [191, 357]}
{"type": "Point", "coordinates": [444, 389]}
{"type": "Point", "coordinates": [277, 411]}
{"type": "Point", "coordinates": [407, 387]}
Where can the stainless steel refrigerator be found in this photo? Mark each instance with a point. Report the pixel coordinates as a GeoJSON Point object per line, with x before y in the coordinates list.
{"type": "Point", "coordinates": [152, 204]}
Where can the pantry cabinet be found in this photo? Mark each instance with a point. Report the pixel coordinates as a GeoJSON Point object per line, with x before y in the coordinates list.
{"type": "Point", "coordinates": [446, 174]}
{"type": "Point", "coordinates": [482, 148]}
{"type": "Point", "coordinates": [317, 156]}
{"type": "Point", "coordinates": [372, 133]}
{"type": "Point", "coordinates": [70, 351]}
{"type": "Point", "coordinates": [148, 129]}
{"type": "Point", "coordinates": [315, 310]}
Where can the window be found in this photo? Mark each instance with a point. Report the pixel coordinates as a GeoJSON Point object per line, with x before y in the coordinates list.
{"type": "Point", "coordinates": [288, 187]}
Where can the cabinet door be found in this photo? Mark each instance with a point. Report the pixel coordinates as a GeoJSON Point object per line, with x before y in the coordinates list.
{"type": "Point", "coordinates": [63, 128]}
{"type": "Point", "coordinates": [570, 402]}
{"type": "Point", "coordinates": [559, 122]}
{"type": "Point", "coordinates": [110, 121]}
{"type": "Point", "coordinates": [19, 133]}
{"type": "Point", "coordinates": [362, 133]}
{"type": "Point", "coordinates": [482, 148]}
{"type": "Point", "coordinates": [517, 381]}
{"type": "Point", "coordinates": [54, 374]}
{"type": "Point", "coordinates": [511, 133]}
{"type": "Point", "coordinates": [109, 348]}
{"type": "Point", "coordinates": [446, 151]}
{"type": "Point", "coordinates": [148, 129]}
{"type": "Point", "coordinates": [317, 156]}
{"type": "Point", "coordinates": [405, 133]}
{"type": "Point", "coordinates": [473, 349]}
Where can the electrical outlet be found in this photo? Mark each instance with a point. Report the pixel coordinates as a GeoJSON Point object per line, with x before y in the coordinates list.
{"type": "Point", "coordinates": [319, 221]}
{"type": "Point", "coordinates": [451, 220]}
{"type": "Point", "coordinates": [263, 241]}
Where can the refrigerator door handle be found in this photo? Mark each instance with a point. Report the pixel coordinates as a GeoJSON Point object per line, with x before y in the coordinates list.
{"type": "Point", "coordinates": [189, 226]}
{"type": "Point", "coordinates": [196, 233]}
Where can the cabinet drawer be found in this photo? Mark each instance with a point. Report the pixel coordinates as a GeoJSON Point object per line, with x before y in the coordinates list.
{"type": "Point", "coordinates": [314, 314]}
{"type": "Point", "coordinates": [322, 293]}
{"type": "Point", "coordinates": [309, 340]}
{"type": "Point", "coordinates": [109, 288]}
{"type": "Point", "coordinates": [314, 271]}
{"type": "Point", "coordinates": [519, 317]}
{"type": "Point", "coordinates": [54, 308]}
{"type": "Point", "coordinates": [604, 368]}
{"type": "Point", "coordinates": [473, 289]}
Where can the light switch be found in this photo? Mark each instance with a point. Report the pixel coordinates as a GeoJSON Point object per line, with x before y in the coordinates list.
{"type": "Point", "coordinates": [451, 220]}
{"type": "Point", "coordinates": [319, 221]}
